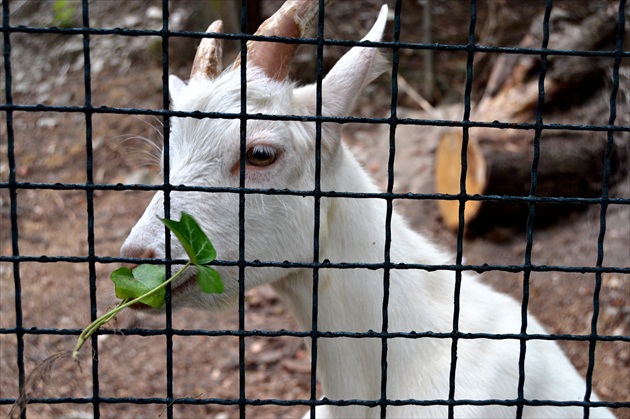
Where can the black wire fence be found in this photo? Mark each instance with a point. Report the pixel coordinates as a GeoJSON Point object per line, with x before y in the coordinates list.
{"type": "Point", "coordinates": [17, 334]}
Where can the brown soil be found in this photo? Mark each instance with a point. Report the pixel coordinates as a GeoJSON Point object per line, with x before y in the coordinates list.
{"type": "Point", "coordinates": [126, 72]}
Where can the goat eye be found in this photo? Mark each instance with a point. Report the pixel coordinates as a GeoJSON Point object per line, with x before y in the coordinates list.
{"type": "Point", "coordinates": [261, 156]}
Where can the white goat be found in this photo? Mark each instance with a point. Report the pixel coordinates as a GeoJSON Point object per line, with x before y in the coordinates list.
{"type": "Point", "coordinates": [280, 155]}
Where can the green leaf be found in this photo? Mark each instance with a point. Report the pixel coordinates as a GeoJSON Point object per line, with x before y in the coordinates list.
{"type": "Point", "coordinates": [143, 279]}
{"type": "Point", "coordinates": [209, 280]}
{"type": "Point", "coordinates": [63, 13]}
{"type": "Point", "coordinates": [191, 236]}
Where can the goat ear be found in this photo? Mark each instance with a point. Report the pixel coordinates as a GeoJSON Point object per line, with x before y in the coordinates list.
{"type": "Point", "coordinates": [355, 70]}
{"type": "Point", "coordinates": [176, 86]}
{"type": "Point", "coordinates": [343, 84]}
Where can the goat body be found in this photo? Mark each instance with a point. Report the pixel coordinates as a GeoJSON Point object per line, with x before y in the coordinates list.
{"type": "Point", "coordinates": [281, 155]}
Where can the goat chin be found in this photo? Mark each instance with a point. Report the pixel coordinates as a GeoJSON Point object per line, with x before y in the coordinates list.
{"type": "Point", "coordinates": [279, 227]}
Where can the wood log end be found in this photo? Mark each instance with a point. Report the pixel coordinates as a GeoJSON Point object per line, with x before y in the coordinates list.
{"type": "Point", "coordinates": [448, 168]}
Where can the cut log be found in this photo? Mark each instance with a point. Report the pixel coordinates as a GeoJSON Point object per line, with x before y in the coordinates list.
{"type": "Point", "coordinates": [571, 164]}
{"type": "Point", "coordinates": [500, 160]}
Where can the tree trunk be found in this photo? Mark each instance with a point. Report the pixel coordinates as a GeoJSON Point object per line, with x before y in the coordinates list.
{"type": "Point", "coordinates": [571, 164]}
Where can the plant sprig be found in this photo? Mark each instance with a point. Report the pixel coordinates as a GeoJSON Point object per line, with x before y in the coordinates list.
{"type": "Point", "coordinates": [145, 284]}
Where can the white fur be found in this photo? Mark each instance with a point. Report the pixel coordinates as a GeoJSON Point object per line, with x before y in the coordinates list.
{"type": "Point", "coordinates": [277, 228]}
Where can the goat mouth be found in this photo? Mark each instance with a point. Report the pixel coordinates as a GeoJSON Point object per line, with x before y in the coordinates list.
{"type": "Point", "coordinates": [178, 288]}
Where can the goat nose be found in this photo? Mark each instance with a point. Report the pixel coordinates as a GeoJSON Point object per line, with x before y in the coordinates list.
{"type": "Point", "coordinates": [136, 252]}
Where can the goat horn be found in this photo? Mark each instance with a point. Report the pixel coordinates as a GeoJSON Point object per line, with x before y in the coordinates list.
{"type": "Point", "coordinates": [292, 20]}
{"type": "Point", "coordinates": [207, 62]}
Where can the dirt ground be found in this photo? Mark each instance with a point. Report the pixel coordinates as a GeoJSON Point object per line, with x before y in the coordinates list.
{"type": "Point", "coordinates": [126, 72]}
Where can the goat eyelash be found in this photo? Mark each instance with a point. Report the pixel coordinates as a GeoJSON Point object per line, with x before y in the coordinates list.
{"type": "Point", "coordinates": [262, 155]}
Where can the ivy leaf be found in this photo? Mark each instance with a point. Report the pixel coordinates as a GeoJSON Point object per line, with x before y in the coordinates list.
{"type": "Point", "coordinates": [191, 236]}
{"type": "Point", "coordinates": [209, 279]}
{"type": "Point", "coordinates": [148, 281]}
{"type": "Point", "coordinates": [144, 278]}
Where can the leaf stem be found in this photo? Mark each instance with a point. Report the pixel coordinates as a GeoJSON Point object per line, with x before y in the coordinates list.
{"type": "Point", "coordinates": [107, 317]}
